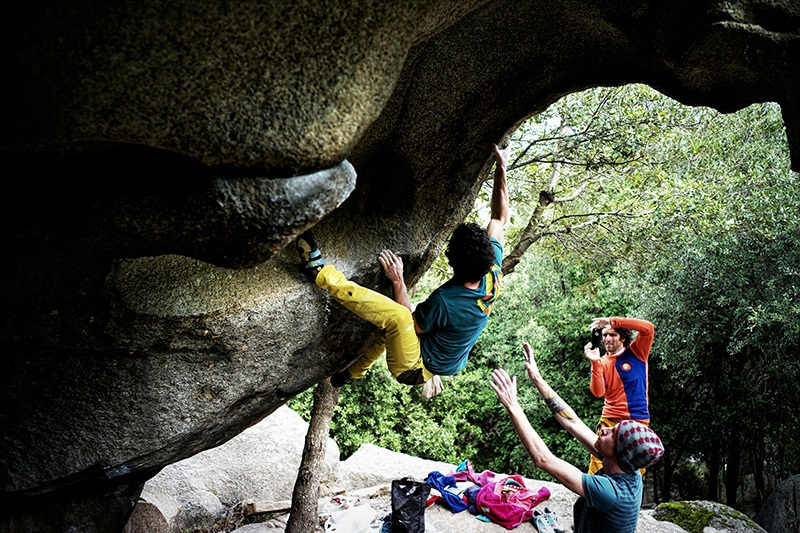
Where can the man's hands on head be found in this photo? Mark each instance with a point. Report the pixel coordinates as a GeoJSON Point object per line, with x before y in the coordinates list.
{"type": "Point", "coordinates": [600, 322]}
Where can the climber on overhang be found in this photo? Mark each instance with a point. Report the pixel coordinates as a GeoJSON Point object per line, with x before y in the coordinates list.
{"type": "Point", "coordinates": [435, 338]}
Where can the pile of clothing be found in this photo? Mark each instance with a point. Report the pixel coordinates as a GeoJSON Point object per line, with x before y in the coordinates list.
{"type": "Point", "coordinates": [504, 500]}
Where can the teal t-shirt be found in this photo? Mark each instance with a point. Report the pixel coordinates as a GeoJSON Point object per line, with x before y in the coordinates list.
{"type": "Point", "coordinates": [454, 316]}
{"type": "Point", "coordinates": [612, 503]}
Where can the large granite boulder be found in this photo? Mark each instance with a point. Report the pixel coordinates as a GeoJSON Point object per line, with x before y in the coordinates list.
{"type": "Point", "coordinates": [258, 465]}
{"type": "Point", "coordinates": [781, 511]}
{"type": "Point", "coordinates": [706, 516]}
{"type": "Point", "coordinates": [363, 485]}
{"type": "Point", "coordinates": [160, 157]}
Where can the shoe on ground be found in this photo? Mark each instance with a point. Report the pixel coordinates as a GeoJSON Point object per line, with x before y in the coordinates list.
{"type": "Point", "coordinates": [340, 378]}
{"type": "Point", "coordinates": [541, 523]}
{"type": "Point", "coordinates": [552, 518]}
{"type": "Point", "coordinates": [310, 255]}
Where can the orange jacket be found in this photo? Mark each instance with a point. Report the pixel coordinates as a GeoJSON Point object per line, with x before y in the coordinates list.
{"type": "Point", "coordinates": [623, 378]}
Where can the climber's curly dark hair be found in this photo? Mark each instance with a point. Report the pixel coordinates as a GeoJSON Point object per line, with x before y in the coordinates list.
{"type": "Point", "coordinates": [470, 252]}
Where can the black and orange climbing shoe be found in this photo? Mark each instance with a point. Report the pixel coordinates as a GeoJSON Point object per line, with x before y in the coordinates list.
{"type": "Point", "coordinates": [310, 255]}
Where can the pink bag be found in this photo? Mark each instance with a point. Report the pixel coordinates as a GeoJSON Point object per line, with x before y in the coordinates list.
{"type": "Point", "coordinates": [508, 502]}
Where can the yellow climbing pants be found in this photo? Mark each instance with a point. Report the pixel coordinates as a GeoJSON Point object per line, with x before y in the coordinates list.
{"type": "Point", "coordinates": [596, 464]}
{"type": "Point", "coordinates": [399, 342]}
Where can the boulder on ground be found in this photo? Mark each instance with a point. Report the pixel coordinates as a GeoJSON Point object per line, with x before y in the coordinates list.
{"type": "Point", "coordinates": [781, 511]}
{"type": "Point", "coordinates": [233, 484]}
{"type": "Point", "coordinates": [372, 465]}
{"type": "Point", "coordinates": [699, 515]}
{"type": "Point", "coordinates": [260, 464]}
{"type": "Point", "coordinates": [648, 524]}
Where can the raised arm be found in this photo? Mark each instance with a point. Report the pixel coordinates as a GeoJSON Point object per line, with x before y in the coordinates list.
{"type": "Point", "coordinates": [597, 383]}
{"type": "Point", "coordinates": [563, 412]}
{"type": "Point", "coordinates": [643, 343]}
{"type": "Point", "coordinates": [499, 203]}
{"type": "Point", "coordinates": [568, 475]}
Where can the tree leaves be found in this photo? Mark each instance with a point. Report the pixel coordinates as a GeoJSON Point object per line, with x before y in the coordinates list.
{"type": "Point", "coordinates": [625, 202]}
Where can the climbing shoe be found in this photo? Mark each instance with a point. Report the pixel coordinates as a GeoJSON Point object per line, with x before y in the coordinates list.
{"type": "Point", "coordinates": [552, 519]}
{"type": "Point", "coordinates": [541, 523]}
{"type": "Point", "coordinates": [309, 253]}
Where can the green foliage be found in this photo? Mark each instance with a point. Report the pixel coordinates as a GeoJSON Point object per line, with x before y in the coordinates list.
{"type": "Point", "coordinates": [727, 310]}
{"type": "Point", "coordinates": [689, 482]}
{"type": "Point", "coordinates": [679, 215]}
{"type": "Point", "coordinates": [549, 304]}
{"type": "Point", "coordinates": [380, 411]}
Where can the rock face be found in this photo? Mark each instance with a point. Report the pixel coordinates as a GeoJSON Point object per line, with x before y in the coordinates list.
{"type": "Point", "coordinates": [160, 156]}
{"type": "Point", "coordinates": [258, 465]}
{"type": "Point", "coordinates": [209, 490]}
{"type": "Point", "coordinates": [781, 511]}
{"type": "Point", "coordinates": [363, 480]}
{"type": "Point", "coordinates": [706, 516]}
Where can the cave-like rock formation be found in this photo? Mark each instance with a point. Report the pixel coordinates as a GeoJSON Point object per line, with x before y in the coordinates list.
{"type": "Point", "coordinates": [159, 157]}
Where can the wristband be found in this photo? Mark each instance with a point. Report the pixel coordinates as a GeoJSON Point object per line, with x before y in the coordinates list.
{"type": "Point", "coordinates": [558, 406]}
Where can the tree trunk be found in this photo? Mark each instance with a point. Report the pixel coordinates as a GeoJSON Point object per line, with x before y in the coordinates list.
{"type": "Point", "coordinates": [529, 235]}
{"type": "Point", "coordinates": [732, 471]}
{"type": "Point", "coordinates": [758, 469]}
{"type": "Point", "coordinates": [654, 478]}
{"type": "Point", "coordinates": [666, 484]}
{"type": "Point", "coordinates": [304, 515]}
{"type": "Point", "coordinates": [666, 480]}
{"type": "Point", "coordinates": [712, 492]}
{"type": "Point", "coordinates": [669, 463]}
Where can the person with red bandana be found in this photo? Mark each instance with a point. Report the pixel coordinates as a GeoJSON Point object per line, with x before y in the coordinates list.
{"type": "Point", "coordinates": [620, 376]}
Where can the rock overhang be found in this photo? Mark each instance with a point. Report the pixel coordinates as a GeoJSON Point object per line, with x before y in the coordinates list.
{"type": "Point", "coordinates": [165, 155]}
